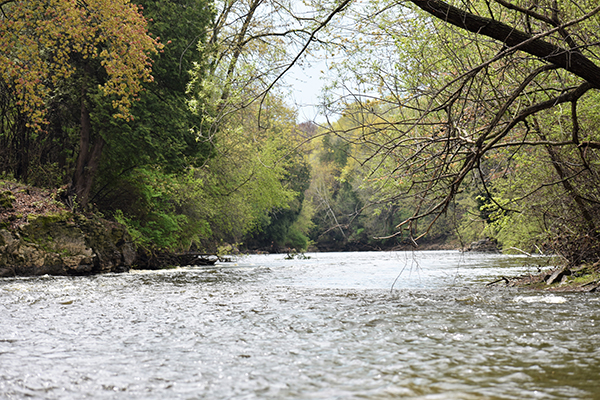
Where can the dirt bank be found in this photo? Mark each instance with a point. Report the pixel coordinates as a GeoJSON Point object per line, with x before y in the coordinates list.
{"type": "Point", "coordinates": [39, 235]}
{"type": "Point", "coordinates": [583, 278]}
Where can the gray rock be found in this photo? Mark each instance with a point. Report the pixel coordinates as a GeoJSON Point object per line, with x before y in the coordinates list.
{"type": "Point", "coordinates": [486, 245]}
{"type": "Point", "coordinates": [65, 244]}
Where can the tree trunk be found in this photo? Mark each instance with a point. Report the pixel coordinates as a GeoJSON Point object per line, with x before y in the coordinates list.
{"type": "Point", "coordinates": [88, 160]}
{"type": "Point", "coordinates": [568, 59]}
{"type": "Point", "coordinates": [557, 163]}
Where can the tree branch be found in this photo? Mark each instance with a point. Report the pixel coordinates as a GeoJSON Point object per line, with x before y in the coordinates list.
{"type": "Point", "coordinates": [544, 105]}
{"type": "Point", "coordinates": [528, 12]}
{"type": "Point", "coordinates": [590, 144]}
{"type": "Point", "coordinates": [570, 60]}
{"type": "Point", "coordinates": [540, 17]}
{"type": "Point", "coordinates": [343, 4]}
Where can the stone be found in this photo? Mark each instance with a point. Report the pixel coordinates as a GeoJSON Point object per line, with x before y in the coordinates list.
{"type": "Point", "coordinates": [65, 244]}
{"type": "Point", "coordinates": [486, 245]}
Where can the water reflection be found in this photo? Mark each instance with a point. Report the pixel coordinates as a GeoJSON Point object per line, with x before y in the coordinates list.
{"type": "Point", "coordinates": [324, 328]}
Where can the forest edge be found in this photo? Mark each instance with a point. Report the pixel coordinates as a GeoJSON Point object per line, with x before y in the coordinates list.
{"type": "Point", "coordinates": [40, 235]}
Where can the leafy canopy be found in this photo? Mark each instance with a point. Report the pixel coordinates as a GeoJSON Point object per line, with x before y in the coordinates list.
{"type": "Point", "coordinates": [38, 40]}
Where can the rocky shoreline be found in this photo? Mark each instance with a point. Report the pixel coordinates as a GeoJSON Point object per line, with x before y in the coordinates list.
{"type": "Point", "coordinates": [40, 235]}
{"type": "Point", "coordinates": [65, 244]}
{"type": "Point", "coordinates": [582, 278]}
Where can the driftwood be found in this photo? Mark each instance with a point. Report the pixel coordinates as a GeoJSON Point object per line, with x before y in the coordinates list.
{"type": "Point", "coordinates": [161, 260]}
{"type": "Point", "coordinates": [592, 286]}
{"type": "Point", "coordinates": [557, 274]}
{"type": "Point", "coordinates": [503, 279]}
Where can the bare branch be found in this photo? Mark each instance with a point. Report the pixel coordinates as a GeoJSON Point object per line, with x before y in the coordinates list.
{"type": "Point", "coordinates": [590, 144]}
{"type": "Point", "coordinates": [570, 60]}
{"type": "Point", "coordinates": [341, 7]}
{"type": "Point", "coordinates": [564, 98]}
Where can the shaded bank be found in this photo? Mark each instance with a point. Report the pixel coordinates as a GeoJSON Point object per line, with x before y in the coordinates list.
{"type": "Point", "coordinates": [40, 235]}
{"type": "Point", "coordinates": [582, 278]}
{"type": "Point", "coordinates": [65, 244]}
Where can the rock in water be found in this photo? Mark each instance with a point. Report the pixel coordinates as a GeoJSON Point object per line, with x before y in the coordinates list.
{"type": "Point", "coordinates": [486, 245]}
{"type": "Point", "coordinates": [65, 244]}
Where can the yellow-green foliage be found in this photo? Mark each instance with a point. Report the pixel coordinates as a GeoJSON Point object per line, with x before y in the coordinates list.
{"type": "Point", "coordinates": [6, 199]}
{"type": "Point", "coordinates": [40, 38]}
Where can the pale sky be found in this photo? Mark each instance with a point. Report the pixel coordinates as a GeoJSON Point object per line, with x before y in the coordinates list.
{"type": "Point", "coordinates": [306, 84]}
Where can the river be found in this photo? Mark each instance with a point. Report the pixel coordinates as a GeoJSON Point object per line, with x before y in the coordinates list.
{"type": "Point", "coordinates": [334, 326]}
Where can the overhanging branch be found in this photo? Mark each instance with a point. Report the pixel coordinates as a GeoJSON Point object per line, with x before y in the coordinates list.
{"type": "Point", "coordinates": [568, 59]}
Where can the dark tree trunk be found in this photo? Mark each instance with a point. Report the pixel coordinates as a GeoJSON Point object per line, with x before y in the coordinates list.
{"type": "Point", "coordinates": [568, 59]}
{"type": "Point", "coordinates": [88, 160]}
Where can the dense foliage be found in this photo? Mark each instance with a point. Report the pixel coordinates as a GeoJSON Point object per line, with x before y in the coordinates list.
{"type": "Point", "coordinates": [182, 166]}
{"type": "Point", "coordinates": [448, 121]}
{"type": "Point", "coordinates": [57, 59]}
{"type": "Point", "coordinates": [497, 123]}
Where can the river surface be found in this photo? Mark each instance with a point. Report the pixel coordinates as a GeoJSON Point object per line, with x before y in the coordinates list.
{"type": "Point", "coordinates": [335, 326]}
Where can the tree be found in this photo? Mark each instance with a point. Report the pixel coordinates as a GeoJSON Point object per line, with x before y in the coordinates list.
{"type": "Point", "coordinates": [507, 80]}
{"type": "Point", "coordinates": [254, 42]}
{"type": "Point", "coordinates": [95, 44]}
{"type": "Point", "coordinates": [349, 197]}
{"type": "Point", "coordinates": [181, 200]}
{"type": "Point", "coordinates": [237, 93]}
{"type": "Point", "coordinates": [164, 133]}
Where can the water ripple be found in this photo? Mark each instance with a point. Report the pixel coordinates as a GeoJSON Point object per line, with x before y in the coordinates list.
{"type": "Point", "coordinates": [268, 329]}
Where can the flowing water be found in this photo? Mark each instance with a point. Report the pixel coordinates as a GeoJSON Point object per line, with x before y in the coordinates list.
{"type": "Point", "coordinates": [335, 326]}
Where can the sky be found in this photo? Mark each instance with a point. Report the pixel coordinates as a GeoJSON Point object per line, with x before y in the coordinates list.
{"type": "Point", "coordinates": [306, 83]}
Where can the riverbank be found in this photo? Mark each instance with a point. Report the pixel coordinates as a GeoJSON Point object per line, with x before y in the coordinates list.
{"type": "Point", "coordinates": [40, 235]}
{"type": "Point", "coordinates": [582, 278]}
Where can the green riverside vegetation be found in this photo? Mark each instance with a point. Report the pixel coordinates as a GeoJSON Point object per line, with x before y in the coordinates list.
{"type": "Point", "coordinates": [446, 124]}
